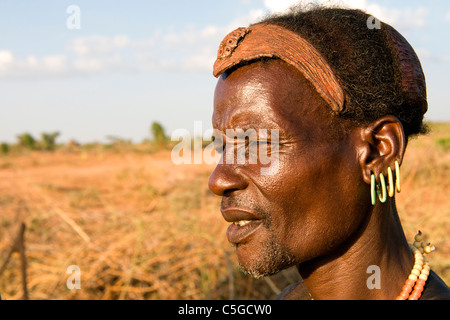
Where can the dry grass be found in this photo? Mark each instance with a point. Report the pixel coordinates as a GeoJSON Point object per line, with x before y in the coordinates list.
{"type": "Point", "coordinates": [424, 202]}
{"type": "Point", "coordinates": [140, 227]}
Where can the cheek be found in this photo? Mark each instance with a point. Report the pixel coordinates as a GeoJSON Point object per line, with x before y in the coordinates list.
{"type": "Point", "coordinates": [310, 208]}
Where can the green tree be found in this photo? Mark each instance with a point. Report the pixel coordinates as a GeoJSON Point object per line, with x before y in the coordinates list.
{"type": "Point", "coordinates": [48, 140]}
{"type": "Point", "coordinates": [26, 140]}
{"type": "Point", "coordinates": [158, 132]}
{"type": "Point", "coordinates": [4, 148]}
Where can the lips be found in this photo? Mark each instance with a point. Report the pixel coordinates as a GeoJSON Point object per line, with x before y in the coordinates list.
{"type": "Point", "coordinates": [245, 222]}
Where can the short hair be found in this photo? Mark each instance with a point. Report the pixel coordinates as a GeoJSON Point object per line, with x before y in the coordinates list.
{"type": "Point", "coordinates": [362, 59]}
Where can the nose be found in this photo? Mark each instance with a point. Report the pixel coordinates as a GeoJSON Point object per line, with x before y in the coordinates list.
{"type": "Point", "coordinates": [226, 178]}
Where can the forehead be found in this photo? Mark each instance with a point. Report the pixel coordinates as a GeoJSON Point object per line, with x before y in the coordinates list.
{"type": "Point", "coordinates": [267, 94]}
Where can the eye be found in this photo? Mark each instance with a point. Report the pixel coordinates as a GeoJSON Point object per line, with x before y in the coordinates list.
{"type": "Point", "coordinates": [268, 146]}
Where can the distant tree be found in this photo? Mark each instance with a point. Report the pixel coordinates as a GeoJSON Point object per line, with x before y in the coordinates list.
{"type": "Point", "coordinates": [48, 140]}
{"type": "Point", "coordinates": [26, 140]}
{"type": "Point", "coordinates": [4, 148]}
{"type": "Point", "coordinates": [158, 132]}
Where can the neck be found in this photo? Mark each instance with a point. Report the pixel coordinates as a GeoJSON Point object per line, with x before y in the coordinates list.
{"type": "Point", "coordinates": [373, 264]}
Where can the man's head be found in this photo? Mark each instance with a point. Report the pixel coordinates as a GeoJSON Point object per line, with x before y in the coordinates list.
{"type": "Point", "coordinates": [313, 204]}
{"type": "Point", "coordinates": [300, 201]}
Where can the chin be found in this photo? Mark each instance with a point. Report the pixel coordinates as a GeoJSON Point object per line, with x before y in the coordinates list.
{"type": "Point", "coordinates": [264, 260]}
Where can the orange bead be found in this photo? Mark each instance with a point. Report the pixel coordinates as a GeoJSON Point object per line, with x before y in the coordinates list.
{"type": "Point", "coordinates": [407, 288]}
{"type": "Point", "coordinates": [420, 282]}
{"type": "Point", "coordinates": [403, 296]}
{"type": "Point", "coordinates": [410, 282]}
{"type": "Point", "coordinates": [414, 296]}
{"type": "Point", "coordinates": [418, 288]}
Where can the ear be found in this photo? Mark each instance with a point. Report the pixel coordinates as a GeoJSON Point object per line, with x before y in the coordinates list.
{"type": "Point", "coordinates": [382, 142]}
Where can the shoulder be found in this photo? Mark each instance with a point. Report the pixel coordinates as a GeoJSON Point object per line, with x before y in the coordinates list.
{"type": "Point", "coordinates": [435, 289]}
{"type": "Point", "coordinates": [296, 291]}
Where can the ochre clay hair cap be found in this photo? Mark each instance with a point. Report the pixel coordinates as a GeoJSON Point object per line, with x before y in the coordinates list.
{"type": "Point", "coordinates": [266, 40]}
{"type": "Point", "coordinates": [413, 79]}
{"type": "Point", "coordinates": [272, 41]}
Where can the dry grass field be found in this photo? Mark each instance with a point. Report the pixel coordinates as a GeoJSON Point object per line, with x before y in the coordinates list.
{"type": "Point", "coordinates": [140, 227]}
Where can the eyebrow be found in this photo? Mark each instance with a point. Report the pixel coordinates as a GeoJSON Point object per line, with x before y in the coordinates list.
{"type": "Point", "coordinates": [235, 122]}
{"type": "Point", "coordinates": [256, 134]}
{"type": "Point", "coordinates": [246, 127]}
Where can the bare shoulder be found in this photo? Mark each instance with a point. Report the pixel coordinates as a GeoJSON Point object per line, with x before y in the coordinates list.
{"type": "Point", "coordinates": [435, 288]}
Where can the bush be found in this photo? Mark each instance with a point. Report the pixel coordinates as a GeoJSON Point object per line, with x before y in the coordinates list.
{"type": "Point", "coordinates": [443, 143]}
{"type": "Point", "coordinates": [159, 135]}
{"type": "Point", "coordinates": [4, 148]}
{"type": "Point", "coordinates": [158, 132]}
{"type": "Point", "coordinates": [48, 140]}
{"type": "Point", "coordinates": [26, 140]}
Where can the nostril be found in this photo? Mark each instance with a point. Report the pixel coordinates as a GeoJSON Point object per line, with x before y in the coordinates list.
{"type": "Point", "coordinates": [213, 184]}
{"type": "Point", "coordinates": [225, 178]}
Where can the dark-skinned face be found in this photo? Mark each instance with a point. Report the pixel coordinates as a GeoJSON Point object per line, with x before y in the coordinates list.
{"type": "Point", "coordinates": [309, 205]}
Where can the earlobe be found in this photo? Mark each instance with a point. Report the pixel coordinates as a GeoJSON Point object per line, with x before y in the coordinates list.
{"type": "Point", "coordinates": [382, 143]}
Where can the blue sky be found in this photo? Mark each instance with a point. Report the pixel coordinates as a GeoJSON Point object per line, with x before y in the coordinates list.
{"type": "Point", "coordinates": [133, 62]}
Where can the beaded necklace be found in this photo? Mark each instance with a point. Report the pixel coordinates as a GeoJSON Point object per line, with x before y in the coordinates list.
{"type": "Point", "coordinates": [421, 269]}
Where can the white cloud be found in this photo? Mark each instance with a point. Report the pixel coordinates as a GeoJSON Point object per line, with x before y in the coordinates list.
{"type": "Point", "coordinates": [84, 56]}
{"type": "Point", "coordinates": [278, 5]}
{"type": "Point", "coordinates": [53, 63]}
{"type": "Point", "coordinates": [245, 20]}
{"type": "Point", "coordinates": [88, 64]}
{"type": "Point", "coordinates": [204, 60]}
{"type": "Point", "coordinates": [210, 31]}
{"type": "Point", "coordinates": [425, 54]}
{"type": "Point", "coordinates": [405, 19]}
{"type": "Point", "coordinates": [32, 62]}
{"type": "Point", "coordinates": [6, 57]}
{"type": "Point", "coordinates": [402, 19]}
{"type": "Point", "coordinates": [120, 41]}
{"type": "Point", "coordinates": [79, 46]}
{"type": "Point", "coordinates": [12, 66]}
{"type": "Point", "coordinates": [97, 44]}
{"type": "Point", "coordinates": [447, 16]}
{"type": "Point", "coordinates": [6, 61]}
{"type": "Point", "coordinates": [188, 50]}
